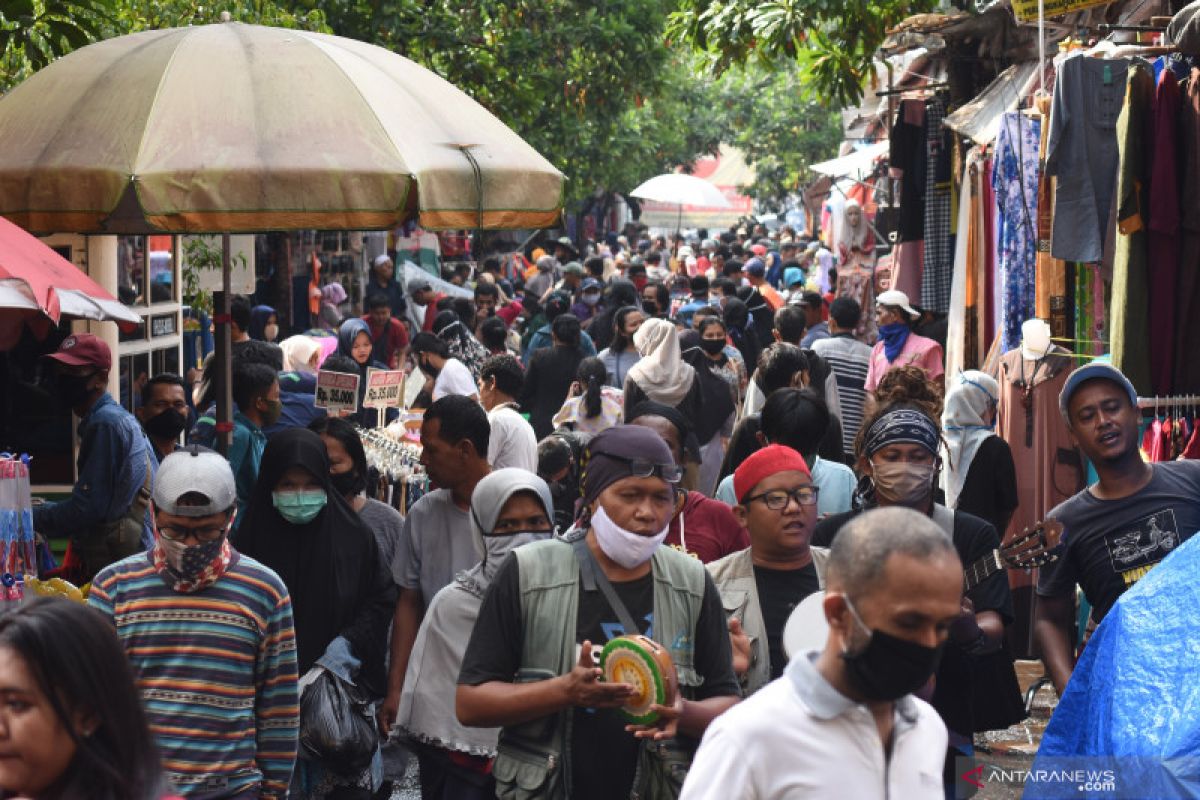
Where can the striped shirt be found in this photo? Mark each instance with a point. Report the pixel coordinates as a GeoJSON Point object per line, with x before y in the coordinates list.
{"type": "Point", "coordinates": [850, 360]}
{"type": "Point", "coordinates": [217, 672]}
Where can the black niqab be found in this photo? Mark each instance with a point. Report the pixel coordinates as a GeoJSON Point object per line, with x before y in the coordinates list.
{"type": "Point", "coordinates": [331, 565]}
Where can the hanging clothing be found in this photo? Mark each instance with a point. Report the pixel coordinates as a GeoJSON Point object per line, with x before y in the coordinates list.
{"type": "Point", "coordinates": [331, 565]}
{"type": "Point", "coordinates": [1015, 182]}
{"type": "Point", "coordinates": [1082, 153]}
{"type": "Point", "coordinates": [1187, 286]}
{"type": "Point", "coordinates": [935, 277]}
{"type": "Point", "coordinates": [856, 280]}
{"type": "Point", "coordinates": [907, 158]}
{"type": "Point", "coordinates": [1128, 323]}
{"type": "Point", "coordinates": [1049, 469]}
{"type": "Point", "coordinates": [1163, 232]}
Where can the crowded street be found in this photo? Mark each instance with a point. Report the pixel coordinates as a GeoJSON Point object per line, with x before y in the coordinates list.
{"type": "Point", "coordinates": [696, 400]}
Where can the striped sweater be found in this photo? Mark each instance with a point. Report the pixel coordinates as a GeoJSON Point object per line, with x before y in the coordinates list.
{"type": "Point", "coordinates": [217, 672]}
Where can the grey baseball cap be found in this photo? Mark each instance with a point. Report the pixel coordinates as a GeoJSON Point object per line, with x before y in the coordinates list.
{"type": "Point", "coordinates": [1097, 370]}
{"type": "Point", "coordinates": [200, 473]}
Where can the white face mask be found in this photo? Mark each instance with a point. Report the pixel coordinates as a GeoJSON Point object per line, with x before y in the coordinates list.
{"type": "Point", "coordinates": [271, 332]}
{"type": "Point", "coordinates": [624, 547]}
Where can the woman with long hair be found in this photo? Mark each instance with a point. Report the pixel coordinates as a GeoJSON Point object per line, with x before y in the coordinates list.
{"type": "Point", "coordinates": [741, 331]}
{"type": "Point", "coordinates": [720, 381]}
{"type": "Point", "coordinates": [550, 372]}
{"type": "Point", "coordinates": [621, 353]}
{"type": "Point", "coordinates": [619, 294]}
{"type": "Point", "coordinates": [591, 404]}
{"type": "Point", "coordinates": [71, 724]}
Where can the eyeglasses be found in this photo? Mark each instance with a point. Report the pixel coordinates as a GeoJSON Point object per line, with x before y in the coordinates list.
{"type": "Point", "coordinates": [199, 534]}
{"type": "Point", "coordinates": [642, 468]}
{"type": "Point", "coordinates": [777, 499]}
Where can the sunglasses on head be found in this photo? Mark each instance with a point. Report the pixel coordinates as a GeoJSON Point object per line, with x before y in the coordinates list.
{"type": "Point", "coordinates": [643, 468]}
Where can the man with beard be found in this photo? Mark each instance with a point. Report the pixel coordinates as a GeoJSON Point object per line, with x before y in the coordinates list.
{"type": "Point", "coordinates": [164, 412]}
{"type": "Point", "coordinates": [106, 515]}
{"type": "Point", "coordinates": [1118, 528]}
{"type": "Point", "coordinates": [235, 616]}
{"type": "Point", "coordinates": [845, 721]}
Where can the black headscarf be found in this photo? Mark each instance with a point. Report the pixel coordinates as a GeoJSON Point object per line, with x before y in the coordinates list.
{"type": "Point", "coordinates": [718, 399]}
{"type": "Point", "coordinates": [742, 332]}
{"type": "Point", "coordinates": [331, 565]}
{"type": "Point", "coordinates": [760, 312]}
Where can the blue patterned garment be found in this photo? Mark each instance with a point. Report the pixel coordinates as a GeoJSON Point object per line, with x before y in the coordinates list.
{"type": "Point", "coordinates": [1015, 181]}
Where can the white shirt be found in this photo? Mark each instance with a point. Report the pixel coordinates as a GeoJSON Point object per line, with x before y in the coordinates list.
{"type": "Point", "coordinates": [454, 378]}
{"type": "Point", "coordinates": [798, 737]}
{"type": "Point", "coordinates": [512, 442]}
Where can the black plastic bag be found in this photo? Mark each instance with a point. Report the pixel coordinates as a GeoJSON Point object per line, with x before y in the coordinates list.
{"type": "Point", "coordinates": [337, 727]}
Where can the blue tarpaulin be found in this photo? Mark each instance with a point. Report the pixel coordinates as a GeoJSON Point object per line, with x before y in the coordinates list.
{"type": "Point", "coordinates": [1130, 716]}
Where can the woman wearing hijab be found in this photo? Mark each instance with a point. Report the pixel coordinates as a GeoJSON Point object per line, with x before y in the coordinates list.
{"type": "Point", "coordinates": [449, 327]}
{"type": "Point", "coordinates": [342, 594]}
{"type": "Point", "coordinates": [662, 375]}
{"type": "Point", "coordinates": [979, 476]}
{"type": "Point", "coordinates": [719, 382]}
{"type": "Point", "coordinates": [898, 345]}
{"type": "Point", "coordinates": [762, 316]}
{"type": "Point", "coordinates": [330, 317]}
{"type": "Point", "coordinates": [742, 332]}
{"type": "Point", "coordinates": [301, 354]}
{"type": "Point", "coordinates": [264, 324]}
{"type": "Point", "coordinates": [354, 342]}
{"type": "Point", "coordinates": [509, 508]}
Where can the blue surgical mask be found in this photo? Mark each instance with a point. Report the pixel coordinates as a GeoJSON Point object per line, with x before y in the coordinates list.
{"type": "Point", "coordinates": [299, 508]}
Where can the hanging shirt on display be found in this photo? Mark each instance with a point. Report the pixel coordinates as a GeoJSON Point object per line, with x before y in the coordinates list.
{"type": "Point", "coordinates": [1082, 153]}
{"type": "Point", "coordinates": [1015, 184]}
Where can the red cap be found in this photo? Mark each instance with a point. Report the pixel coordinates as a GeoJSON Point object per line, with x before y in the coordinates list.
{"type": "Point", "coordinates": [83, 350]}
{"type": "Point", "coordinates": [769, 461]}
{"type": "Point", "coordinates": [758, 249]}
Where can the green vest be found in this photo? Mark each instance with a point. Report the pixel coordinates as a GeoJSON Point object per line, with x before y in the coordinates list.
{"type": "Point", "coordinates": [533, 759]}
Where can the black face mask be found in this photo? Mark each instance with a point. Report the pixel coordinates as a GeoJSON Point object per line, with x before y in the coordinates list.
{"type": "Point", "coordinates": [650, 307]}
{"type": "Point", "coordinates": [167, 425]}
{"type": "Point", "coordinates": [427, 368]}
{"type": "Point", "coordinates": [889, 667]}
{"type": "Point", "coordinates": [712, 346]}
{"type": "Point", "coordinates": [73, 389]}
{"type": "Point", "coordinates": [347, 484]}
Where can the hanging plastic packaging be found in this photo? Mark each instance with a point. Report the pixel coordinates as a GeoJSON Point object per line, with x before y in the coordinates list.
{"type": "Point", "coordinates": [337, 727]}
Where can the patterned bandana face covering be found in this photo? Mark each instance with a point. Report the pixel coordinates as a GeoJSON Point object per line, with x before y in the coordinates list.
{"type": "Point", "coordinates": [902, 426]}
{"type": "Point", "coordinates": [191, 568]}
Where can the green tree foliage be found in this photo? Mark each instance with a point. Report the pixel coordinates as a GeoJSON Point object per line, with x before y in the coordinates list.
{"type": "Point", "coordinates": [131, 16]}
{"type": "Point", "coordinates": [833, 41]}
{"type": "Point", "coordinates": [35, 32]}
{"type": "Point", "coordinates": [779, 126]}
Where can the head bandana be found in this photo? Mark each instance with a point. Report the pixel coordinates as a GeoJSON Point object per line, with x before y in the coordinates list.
{"type": "Point", "coordinates": [902, 426]}
{"type": "Point", "coordinates": [609, 454]}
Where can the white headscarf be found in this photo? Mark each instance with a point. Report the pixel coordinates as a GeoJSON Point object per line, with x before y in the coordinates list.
{"type": "Point", "coordinates": [852, 237]}
{"type": "Point", "coordinates": [661, 373]}
{"type": "Point", "coordinates": [297, 352]}
{"type": "Point", "coordinates": [963, 427]}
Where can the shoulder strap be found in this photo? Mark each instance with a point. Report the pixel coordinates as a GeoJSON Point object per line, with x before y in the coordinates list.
{"type": "Point", "coordinates": [593, 577]}
{"type": "Point", "coordinates": [944, 518]}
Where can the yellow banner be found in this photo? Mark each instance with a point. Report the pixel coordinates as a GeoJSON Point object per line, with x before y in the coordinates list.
{"type": "Point", "coordinates": [1027, 10]}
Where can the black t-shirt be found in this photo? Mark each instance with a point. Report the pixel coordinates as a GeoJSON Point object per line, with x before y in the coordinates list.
{"type": "Point", "coordinates": [1108, 545]}
{"type": "Point", "coordinates": [990, 490]}
{"type": "Point", "coordinates": [604, 756]}
{"type": "Point", "coordinates": [779, 592]}
{"type": "Point", "coordinates": [956, 696]}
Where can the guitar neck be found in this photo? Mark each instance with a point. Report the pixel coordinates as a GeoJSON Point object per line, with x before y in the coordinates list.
{"type": "Point", "coordinates": [981, 570]}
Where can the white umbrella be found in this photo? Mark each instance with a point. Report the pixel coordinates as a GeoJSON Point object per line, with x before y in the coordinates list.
{"type": "Point", "coordinates": [675, 187]}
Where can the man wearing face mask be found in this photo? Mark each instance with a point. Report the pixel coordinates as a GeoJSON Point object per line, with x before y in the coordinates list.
{"type": "Point", "coordinates": [976, 686]}
{"type": "Point", "coordinates": [164, 412]}
{"type": "Point", "coordinates": [588, 305]}
{"type": "Point", "coordinates": [844, 721]}
{"type": "Point", "coordinates": [546, 613]}
{"type": "Point", "coordinates": [509, 509]}
{"type": "Point", "coordinates": [256, 392]}
{"type": "Point", "coordinates": [193, 587]}
{"type": "Point", "coordinates": [105, 517]}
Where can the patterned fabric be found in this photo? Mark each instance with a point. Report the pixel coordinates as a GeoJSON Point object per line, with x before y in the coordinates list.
{"type": "Point", "coordinates": [939, 255]}
{"type": "Point", "coordinates": [902, 426]}
{"type": "Point", "coordinates": [216, 669]}
{"type": "Point", "coordinates": [1015, 181]}
{"type": "Point", "coordinates": [206, 574]}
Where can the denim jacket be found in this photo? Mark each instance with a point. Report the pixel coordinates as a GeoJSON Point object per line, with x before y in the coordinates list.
{"type": "Point", "coordinates": [113, 452]}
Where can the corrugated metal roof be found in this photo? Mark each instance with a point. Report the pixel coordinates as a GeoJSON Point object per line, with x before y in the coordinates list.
{"type": "Point", "coordinates": [979, 119]}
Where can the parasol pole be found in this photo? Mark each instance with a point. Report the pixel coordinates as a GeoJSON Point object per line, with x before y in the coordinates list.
{"type": "Point", "coordinates": [223, 356]}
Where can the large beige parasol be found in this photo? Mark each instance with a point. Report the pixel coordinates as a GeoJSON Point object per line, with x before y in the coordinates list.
{"type": "Point", "coordinates": [233, 127]}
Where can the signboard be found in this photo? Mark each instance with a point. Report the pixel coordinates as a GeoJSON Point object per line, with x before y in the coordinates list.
{"type": "Point", "coordinates": [1027, 10]}
{"type": "Point", "coordinates": [162, 325]}
{"type": "Point", "coordinates": [336, 391]}
{"type": "Point", "coordinates": [385, 388]}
